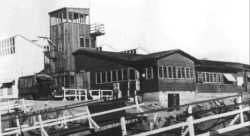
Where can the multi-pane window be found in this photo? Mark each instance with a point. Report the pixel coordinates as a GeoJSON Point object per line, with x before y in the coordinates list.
{"type": "Point", "coordinates": [165, 72]}
{"type": "Point", "coordinates": [207, 77]}
{"type": "Point", "coordinates": [178, 72]}
{"type": "Point", "coordinates": [187, 72]}
{"type": "Point", "coordinates": [204, 77]}
{"type": "Point", "coordinates": [218, 77]}
{"type": "Point", "coordinates": [114, 76]}
{"type": "Point", "coordinates": [191, 72]}
{"type": "Point", "coordinates": [7, 47]}
{"type": "Point", "coordinates": [125, 74]}
{"type": "Point", "coordinates": [149, 73]}
{"type": "Point", "coordinates": [109, 76]}
{"type": "Point", "coordinates": [98, 78]}
{"type": "Point", "coordinates": [72, 80]}
{"type": "Point", "coordinates": [160, 71]}
{"type": "Point", "coordinates": [210, 77]}
{"type": "Point", "coordinates": [103, 77]}
{"type": "Point", "coordinates": [174, 72]}
{"type": "Point", "coordinates": [82, 43]}
{"type": "Point", "coordinates": [64, 15]}
{"type": "Point", "coordinates": [170, 72]}
{"type": "Point", "coordinates": [183, 73]}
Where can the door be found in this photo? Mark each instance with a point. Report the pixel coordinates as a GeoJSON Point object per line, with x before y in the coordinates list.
{"type": "Point", "coordinates": [173, 100]}
{"type": "Point", "coordinates": [83, 80]}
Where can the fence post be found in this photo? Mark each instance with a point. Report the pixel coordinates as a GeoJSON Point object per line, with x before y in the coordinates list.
{"type": "Point", "coordinates": [190, 121]}
{"type": "Point", "coordinates": [80, 97]}
{"type": "Point", "coordinates": [123, 126]}
{"type": "Point", "coordinates": [86, 94]}
{"type": "Point", "coordinates": [75, 95]}
{"type": "Point", "coordinates": [240, 108]}
{"type": "Point", "coordinates": [99, 93]}
{"type": "Point", "coordinates": [18, 125]}
{"type": "Point", "coordinates": [64, 94]}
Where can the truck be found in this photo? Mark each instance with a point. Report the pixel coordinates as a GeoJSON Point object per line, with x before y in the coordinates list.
{"type": "Point", "coordinates": [40, 86]}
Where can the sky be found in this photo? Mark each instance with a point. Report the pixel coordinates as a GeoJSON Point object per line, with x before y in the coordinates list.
{"type": "Point", "coordinates": [206, 29]}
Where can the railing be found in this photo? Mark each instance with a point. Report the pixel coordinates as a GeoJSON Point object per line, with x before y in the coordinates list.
{"type": "Point", "coordinates": [101, 94]}
{"type": "Point", "coordinates": [74, 93]}
{"type": "Point", "coordinates": [64, 119]}
{"type": "Point", "coordinates": [191, 121]}
{"type": "Point", "coordinates": [97, 29]}
{"type": "Point", "coordinates": [78, 93]}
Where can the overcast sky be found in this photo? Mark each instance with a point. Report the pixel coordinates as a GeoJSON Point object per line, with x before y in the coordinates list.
{"type": "Point", "coordinates": [212, 29]}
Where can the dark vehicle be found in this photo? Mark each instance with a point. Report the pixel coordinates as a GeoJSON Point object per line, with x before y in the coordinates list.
{"type": "Point", "coordinates": [39, 86]}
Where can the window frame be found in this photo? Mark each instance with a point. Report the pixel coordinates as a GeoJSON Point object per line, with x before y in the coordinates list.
{"type": "Point", "coordinates": [70, 79]}
{"type": "Point", "coordinates": [151, 73]}
{"type": "Point", "coordinates": [160, 71]}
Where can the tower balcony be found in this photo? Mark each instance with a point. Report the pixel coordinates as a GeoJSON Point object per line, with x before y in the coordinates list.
{"type": "Point", "coordinates": [97, 30]}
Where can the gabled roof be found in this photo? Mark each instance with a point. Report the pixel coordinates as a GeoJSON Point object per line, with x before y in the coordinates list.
{"type": "Point", "coordinates": [132, 59]}
{"type": "Point", "coordinates": [159, 55]}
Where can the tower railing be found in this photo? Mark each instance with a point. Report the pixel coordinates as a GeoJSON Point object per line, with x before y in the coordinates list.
{"type": "Point", "coordinates": [97, 29]}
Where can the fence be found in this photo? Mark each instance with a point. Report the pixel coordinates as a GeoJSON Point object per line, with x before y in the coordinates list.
{"type": "Point", "coordinates": [191, 121]}
{"type": "Point", "coordinates": [78, 93]}
{"type": "Point", "coordinates": [40, 124]}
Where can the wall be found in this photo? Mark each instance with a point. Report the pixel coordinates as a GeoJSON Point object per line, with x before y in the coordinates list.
{"type": "Point", "coordinates": [94, 65]}
{"type": "Point", "coordinates": [176, 60]}
{"type": "Point", "coordinates": [185, 96]}
{"type": "Point", "coordinates": [27, 60]}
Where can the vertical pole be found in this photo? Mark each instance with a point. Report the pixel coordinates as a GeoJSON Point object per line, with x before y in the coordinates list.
{"type": "Point", "coordinates": [64, 94]}
{"type": "Point", "coordinates": [18, 125]}
{"type": "Point", "coordinates": [80, 97]}
{"type": "Point", "coordinates": [8, 102]}
{"type": "Point", "coordinates": [99, 93]}
{"type": "Point", "coordinates": [123, 126]}
{"type": "Point", "coordinates": [86, 95]}
{"type": "Point", "coordinates": [0, 118]}
{"type": "Point", "coordinates": [190, 121]}
{"type": "Point", "coordinates": [240, 108]}
{"type": "Point", "coordinates": [76, 95]}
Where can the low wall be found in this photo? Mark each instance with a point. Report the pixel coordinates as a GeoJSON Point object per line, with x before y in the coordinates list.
{"type": "Point", "coordinates": [185, 97]}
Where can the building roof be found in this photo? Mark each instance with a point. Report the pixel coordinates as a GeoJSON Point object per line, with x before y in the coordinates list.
{"type": "Point", "coordinates": [211, 64]}
{"type": "Point", "coordinates": [77, 10]}
{"type": "Point", "coordinates": [18, 35]}
{"type": "Point", "coordinates": [133, 59]}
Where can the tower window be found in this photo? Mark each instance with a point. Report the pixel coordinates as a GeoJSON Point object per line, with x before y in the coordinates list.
{"type": "Point", "coordinates": [70, 17]}
{"type": "Point", "coordinates": [72, 80]}
{"type": "Point", "coordinates": [82, 44]}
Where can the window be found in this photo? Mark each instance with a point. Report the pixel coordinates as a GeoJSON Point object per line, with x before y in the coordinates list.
{"type": "Point", "coordinates": [174, 72]}
{"type": "Point", "coordinates": [218, 78]}
{"type": "Point", "coordinates": [93, 43]}
{"type": "Point", "coordinates": [204, 77]}
{"type": "Point", "coordinates": [108, 76]}
{"type": "Point", "coordinates": [81, 19]}
{"type": "Point", "coordinates": [29, 82]}
{"type": "Point", "coordinates": [160, 71]}
{"type": "Point", "coordinates": [207, 77]}
{"type": "Point", "coordinates": [119, 75]}
{"type": "Point", "coordinates": [125, 74]}
{"type": "Point", "coordinates": [191, 72]}
{"type": "Point", "coordinates": [82, 42]}
{"type": "Point", "coordinates": [87, 42]}
{"type": "Point", "coordinates": [187, 72]}
{"type": "Point", "coordinates": [70, 17]}
{"type": "Point", "coordinates": [170, 72]}
{"type": "Point", "coordinates": [62, 81]}
{"type": "Point", "coordinates": [21, 83]}
{"type": "Point", "coordinates": [183, 73]}
{"type": "Point", "coordinates": [104, 77]}
{"type": "Point", "coordinates": [178, 72]}
{"type": "Point", "coordinates": [149, 73]}
{"type": "Point", "coordinates": [60, 18]}
{"type": "Point", "coordinates": [98, 78]}
{"type": "Point", "coordinates": [211, 77]}
{"type": "Point", "coordinates": [131, 74]}
{"type": "Point", "coordinates": [72, 80]}
{"type": "Point", "coordinates": [76, 18]}
{"type": "Point", "coordinates": [114, 76]}
{"type": "Point", "coordinates": [165, 72]}
{"type": "Point", "coordinates": [215, 79]}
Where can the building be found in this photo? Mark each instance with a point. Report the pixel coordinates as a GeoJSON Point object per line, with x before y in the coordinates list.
{"type": "Point", "coordinates": [172, 70]}
{"type": "Point", "coordinates": [70, 30]}
{"type": "Point", "coordinates": [138, 50]}
{"type": "Point", "coordinates": [219, 76]}
{"type": "Point", "coordinates": [19, 57]}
